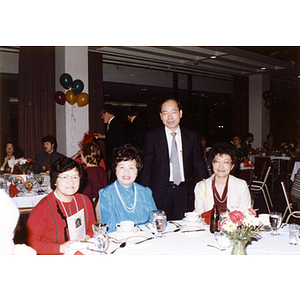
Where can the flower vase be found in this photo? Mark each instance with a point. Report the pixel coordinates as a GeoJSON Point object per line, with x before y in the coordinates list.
{"type": "Point", "coordinates": [239, 248]}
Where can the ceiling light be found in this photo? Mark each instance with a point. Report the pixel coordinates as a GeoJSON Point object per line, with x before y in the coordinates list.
{"type": "Point", "coordinates": [213, 56]}
{"type": "Point", "coordinates": [263, 68]}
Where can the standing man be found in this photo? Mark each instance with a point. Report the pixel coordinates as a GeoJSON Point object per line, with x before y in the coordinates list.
{"type": "Point", "coordinates": [247, 143]}
{"type": "Point", "coordinates": [115, 135]}
{"type": "Point", "coordinates": [137, 128]}
{"type": "Point", "coordinates": [172, 159]}
{"type": "Point", "coordinates": [43, 161]}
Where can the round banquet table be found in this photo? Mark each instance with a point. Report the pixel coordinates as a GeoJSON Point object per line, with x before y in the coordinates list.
{"type": "Point", "coordinates": [189, 243]}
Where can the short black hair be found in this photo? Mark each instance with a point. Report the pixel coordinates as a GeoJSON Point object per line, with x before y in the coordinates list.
{"type": "Point", "coordinates": [178, 104]}
{"type": "Point", "coordinates": [132, 111]}
{"type": "Point", "coordinates": [125, 153]}
{"type": "Point", "coordinates": [249, 134]}
{"type": "Point", "coordinates": [51, 139]}
{"type": "Point", "coordinates": [108, 108]}
{"type": "Point", "coordinates": [223, 148]}
{"type": "Point", "coordinates": [62, 165]}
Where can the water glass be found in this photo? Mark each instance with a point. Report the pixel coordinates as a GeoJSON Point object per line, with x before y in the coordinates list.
{"type": "Point", "coordinates": [293, 234]}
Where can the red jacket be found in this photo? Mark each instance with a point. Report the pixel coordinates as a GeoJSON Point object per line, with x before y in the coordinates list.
{"type": "Point", "coordinates": [47, 229]}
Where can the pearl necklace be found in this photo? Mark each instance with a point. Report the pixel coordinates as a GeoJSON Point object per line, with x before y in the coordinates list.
{"type": "Point", "coordinates": [128, 209]}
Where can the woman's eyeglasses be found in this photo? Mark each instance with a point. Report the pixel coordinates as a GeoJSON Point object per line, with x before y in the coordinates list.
{"type": "Point", "coordinates": [225, 163]}
{"type": "Point", "coordinates": [67, 178]}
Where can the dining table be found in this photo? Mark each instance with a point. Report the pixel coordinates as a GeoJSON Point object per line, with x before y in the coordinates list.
{"type": "Point", "coordinates": [189, 238]}
{"type": "Point", "coordinates": [295, 170]}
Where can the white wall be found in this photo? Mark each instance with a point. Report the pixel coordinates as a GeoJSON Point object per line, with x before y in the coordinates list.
{"type": "Point", "coordinates": [9, 62]}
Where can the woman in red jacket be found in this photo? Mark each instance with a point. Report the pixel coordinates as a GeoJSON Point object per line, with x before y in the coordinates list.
{"type": "Point", "coordinates": [64, 216]}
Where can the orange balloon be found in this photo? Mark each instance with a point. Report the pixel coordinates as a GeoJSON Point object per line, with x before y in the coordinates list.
{"type": "Point", "coordinates": [71, 98]}
{"type": "Point", "coordinates": [83, 99]}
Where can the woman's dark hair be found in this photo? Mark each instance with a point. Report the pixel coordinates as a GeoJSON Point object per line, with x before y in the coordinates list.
{"type": "Point", "coordinates": [62, 165]}
{"type": "Point", "coordinates": [91, 152]}
{"type": "Point", "coordinates": [125, 153]}
{"type": "Point", "coordinates": [224, 148]}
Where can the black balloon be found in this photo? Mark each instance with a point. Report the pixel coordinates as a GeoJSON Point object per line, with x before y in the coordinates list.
{"type": "Point", "coordinates": [66, 80]}
{"type": "Point", "coordinates": [266, 95]}
{"type": "Point", "coordinates": [60, 97]}
{"type": "Point", "coordinates": [77, 86]}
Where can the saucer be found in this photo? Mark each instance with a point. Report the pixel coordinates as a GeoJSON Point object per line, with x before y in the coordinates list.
{"type": "Point", "coordinates": [198, 222]}
{"type": "Point", "coordinates": [134, 230]}
{"type": "Point", "coordinates": [136, 238]}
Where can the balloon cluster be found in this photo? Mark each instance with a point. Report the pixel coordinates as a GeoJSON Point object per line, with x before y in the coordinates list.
{"type": "Point", "coordinates": [268, 97]}
{"type": "Point", "coordinates": [74, 95]}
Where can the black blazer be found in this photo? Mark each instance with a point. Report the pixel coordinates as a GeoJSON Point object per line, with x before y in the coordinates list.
{"type": "Point", "coordinates": [41, 160]}
{"type": "Point", "coordinates": [156, 171]}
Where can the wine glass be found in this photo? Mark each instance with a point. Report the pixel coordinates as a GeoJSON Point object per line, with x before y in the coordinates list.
{"type": "Point", "coordinates": [275, 222]}
{"type": "Point", "coordinates": [40, 180]}
{"type": "Point", "coordinates": [160, 221]}
{"type": "Point", "coordinates": [101, 238]}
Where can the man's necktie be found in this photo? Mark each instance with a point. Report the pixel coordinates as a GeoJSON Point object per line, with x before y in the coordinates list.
{"type": "Point", "coordinates": [175, 160]}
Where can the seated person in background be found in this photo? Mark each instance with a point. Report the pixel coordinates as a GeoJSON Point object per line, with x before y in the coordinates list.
{"type": "Point", "coordinates": [88, 137]}
{"type": "Point", "coordinates": [43, 161]}
{"type": "Point", "coordinates": [247, 142]}
{"type": "Point", "coordinates": [222, 189]}
{"type": "Point", "coordinates": [9, 159]}
{"type": "Point", "coordinates": [269, 145]}
{"type": "Point", "coordinates": [9, 216]}
{"type": "Point", "coordinates": [96, 178]}
{"type": "Point", "coordinates": [63, 216]}
{"type": "Point", "coordinates": [124, 199]}
{"type": "Point", "coordinates": [241, 151]}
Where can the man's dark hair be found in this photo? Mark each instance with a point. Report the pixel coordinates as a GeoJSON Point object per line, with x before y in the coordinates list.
{"type": "Point", "coordinates": [132, 111]}
{"type": "Point", "coordinates": [51, 139]}
{"type": "Point", "coordinates": [178, 104]}
{"type": "Point", "coordinates": [108, 108]}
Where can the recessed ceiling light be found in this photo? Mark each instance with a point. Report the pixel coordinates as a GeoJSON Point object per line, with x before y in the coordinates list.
{"type": "Point", "coordinates": [263, 68]}
{"type": "Point", "coordinates": [213, 56]}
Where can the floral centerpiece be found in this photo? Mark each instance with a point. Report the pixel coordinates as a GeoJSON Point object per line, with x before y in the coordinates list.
{"type": "Point", "coordinates": [22, 165]}
{"type": "Point", "coordinates": [241, 227]}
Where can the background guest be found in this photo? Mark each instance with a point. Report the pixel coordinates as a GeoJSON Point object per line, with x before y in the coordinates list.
{"type": "Point", "coordinates": [55, 221]}
{"type": "Point", "coordinates": [222, 189]}
{"type": "Point", "coordinates": [173, 192]}
{"type": "Point", "coordinates": [9, 159]}
{"type": "Point", "coordinates": [96, 177]}
{"type": "Point", "coordinates": [269, 145]}
{"type": "Point", "coordinates": [137, 128]}
{"type": "Point", "coordinates": [247, 142]}
{"type": "Point", "coordinates": [115, 135]}
{"type": "Point", "coordinates": [48, 157]}
{"type": "Point", "coordinates": [124, 199]}
{"type": "Point", "coordinates": [241, 151]}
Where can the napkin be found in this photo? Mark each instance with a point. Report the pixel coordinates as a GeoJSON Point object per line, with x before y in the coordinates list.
{"type": "Point", "coordinates": [13, 191]}
{"type": "Point", "coordinates": [206, 216]}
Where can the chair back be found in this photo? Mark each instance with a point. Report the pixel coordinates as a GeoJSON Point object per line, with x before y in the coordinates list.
{"type": "Point", "coordinates": [267, 175]}
{"type": "Point", "coordinates": [260, 165]}
{"type": "Point", "coordinates": [246, 175]}
{"type": "Point", "coordinates": [287, 199]}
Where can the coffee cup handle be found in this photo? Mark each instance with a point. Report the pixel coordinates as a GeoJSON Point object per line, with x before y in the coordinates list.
{"type": "Point", "coordinates": [118, 225]}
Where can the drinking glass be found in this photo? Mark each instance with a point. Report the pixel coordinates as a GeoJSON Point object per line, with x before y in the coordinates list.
{"type": "Point", "coordinates": [275, 222]}
{"type": "Point", "coordinates": [40, 180]}
{"type": "Point", "coordinates": [160, 221]}
{"type": "Point", "coordinates": [101, 238]}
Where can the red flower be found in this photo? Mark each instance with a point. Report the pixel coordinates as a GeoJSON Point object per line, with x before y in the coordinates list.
{"type": "Point", "coordinates": [253, 212]}
{"type": "Point", "coordinates": [29, 159]}
{"type": "Point", "coordinates": [236, 216]}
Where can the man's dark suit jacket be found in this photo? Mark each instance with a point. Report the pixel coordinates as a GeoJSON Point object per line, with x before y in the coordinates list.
{"type": "Point", "coordinates": [115, 137]}
{"type": "Point", "coordinates": [156, 171]}
{"type": "Point", "coordinates": [137, 132]}
{"type": "Point", "coordinates": [41, 160]}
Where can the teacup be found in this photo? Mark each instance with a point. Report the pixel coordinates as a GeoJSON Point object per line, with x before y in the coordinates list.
{"type": "Point", "coordinates": [191, 216]}
{"type": "Point", "coordinates": [264, 219]}
{"type": "Point", "coordinates": [78, 246]}
{"type": "Point", "coordinates": [125, 226]}
{"type": "Point", "coordinates": [222, 239]}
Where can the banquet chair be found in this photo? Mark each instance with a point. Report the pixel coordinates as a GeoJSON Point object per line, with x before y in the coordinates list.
{"type": "Point", "coordinates": [287, 200]}
{"type": "Point", "coordinates": [260, 165]}
{"type": "Point", "coordinates": [261, 186]}
{"type": "Point", "coordinates": [247, 175]}
{"type": "Point", "coordinates": [295, 214]}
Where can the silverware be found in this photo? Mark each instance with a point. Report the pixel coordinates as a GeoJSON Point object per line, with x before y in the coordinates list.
{"type": "Point", "coordinates": [121, 246]}
{"type": "Point", "coordinates": [176, 230]}
{"type": "Point", "coordinates": [147, 239]}
{"type": "Point", "coordinates": [200, 229]}
{"type": "Point", "coordinates": [221, 249]}
{"type": "Point", "coordinates": [175, 223]}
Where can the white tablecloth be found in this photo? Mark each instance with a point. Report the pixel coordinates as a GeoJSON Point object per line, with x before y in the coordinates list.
{"type": "Point", "coordinates": [195, 243]}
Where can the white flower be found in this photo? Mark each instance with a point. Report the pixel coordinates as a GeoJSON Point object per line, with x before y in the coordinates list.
{"type": "Point", "coordinates": [229, 226]}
